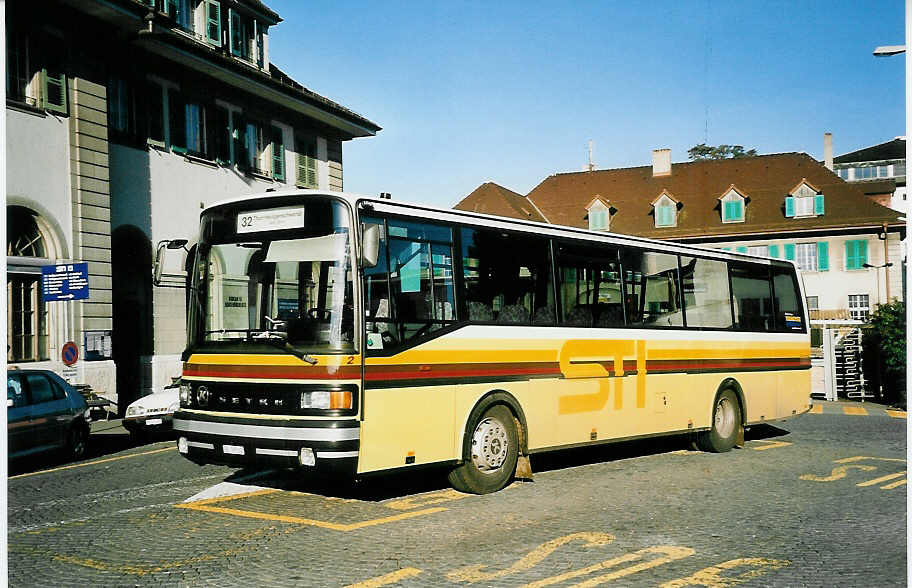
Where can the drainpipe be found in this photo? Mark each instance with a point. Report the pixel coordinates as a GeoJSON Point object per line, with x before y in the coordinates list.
{"type": "Point", "coordinates": [886, 261]}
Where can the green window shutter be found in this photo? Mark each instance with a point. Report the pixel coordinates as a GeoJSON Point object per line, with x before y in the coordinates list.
{"type": "Point", "coordinates": [862, 253]}
{"type": "Point", "coordinates": [726, 249]}
{"type": "Point", "coordinates": [741, 249]}
{"type": "Point", "coordinates": [733, 211]}
{"type": "Point", "coordinates": [789, 251]}
{"type": "Point", "coordinates": [235, 32]}
{"type": "Point", "coordinates": [306, 164]}
{"type": "Point", "coordinates": [774, 251]}
{"type": "Point", "coordinates": [856, 254]}
{"type": "Point", "coordinates": [789, 206]}
{"type": "Point", "coordinates": [818, 204]}
{"type": "Point", "coordinates": [664, 216]}
{"type": "Point", "coordinates": [278, 155]}
{"type": "Point", "coordinates": [53, 90]}
{"type": "Point", "coordinates": [823, 256]}
{"type": "Point", "coordinates": [214, 22]}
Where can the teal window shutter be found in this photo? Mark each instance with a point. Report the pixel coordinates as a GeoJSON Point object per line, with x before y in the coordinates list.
{"type": "Point", "coordinates": [856, 254]}
{"type": "Point", "coordinates": [741, 249]}
{"type": "Point", "coordinates": [726, 249]}
{"type": "Point", "coordinates": [53, 90]}
{"type": "Point", "coordinates": [664, 215]}
{"type": "Point", "coordinates": [214, 22]}
{"type": "Point", "coordinates": [823, 256]}
{"type": "Point", "coordinates": [732, 211]}
{"type": "Point", "coordinates": [818, 204]}
{"type": "Point", "coordinates": [789, 251]}
{"type": "Point", "coordinates": [278, 154]}
{"type": "Point", "coordinates": [789, 206]}
{"type": "Point", "coordinates": [774, 251]}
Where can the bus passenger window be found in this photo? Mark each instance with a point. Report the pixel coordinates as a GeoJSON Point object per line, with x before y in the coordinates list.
{"type": "Point", "coordinates": [789, 314]}
{"type": "Point", "coordinates": [707, 302]}
{"type": "Point", "coordinates": [652, 288]}
{"type": "Point", "coordinates": [507, 278]}
{"type": "Point", "coordinates": [751, 296]}
{"type": "Point", "coordinates": [590, 286]}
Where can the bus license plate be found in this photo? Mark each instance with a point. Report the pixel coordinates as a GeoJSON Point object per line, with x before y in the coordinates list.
{"type": "Point", "coordinates": [153, 421]}
{"type": "Point", "coordinates": [233, 449]}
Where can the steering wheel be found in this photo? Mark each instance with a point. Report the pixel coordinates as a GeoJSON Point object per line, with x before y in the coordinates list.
{"type": "Point", "coordinates": [422, 331]}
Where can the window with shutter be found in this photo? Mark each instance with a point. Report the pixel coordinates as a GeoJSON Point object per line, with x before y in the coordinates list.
{"type": "Point", "coordinates": [306, 160]}
{"type": "Point", "coordinates": [53, 89]}
{"type": "Point", "coordinates": [823, 256]}
{"type": "Point", "coordinates": [278, 154]}
{"type": "Point", "coordinates": [214, 22]}
{"type": "Point", "coordinates": [665, 216]}
{"type": "Point", "coordinates": [856, 254]}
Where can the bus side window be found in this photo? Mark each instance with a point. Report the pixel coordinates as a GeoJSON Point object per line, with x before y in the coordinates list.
{"type": "Point", "coordinates": [789, 314]}
{"type": "Point", "coordinates": [653, 289]}
{"type": "Point", "coordinates": [707, 301]}
{"type": "Point", "coordinates": [751, 292]}
{"type": "Point", "coordinates": [507, 278]}
{"type": "Point", "coordinates": [590, 286]}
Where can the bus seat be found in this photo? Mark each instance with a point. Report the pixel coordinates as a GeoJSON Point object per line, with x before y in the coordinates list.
{"type": "Point", "coordinates": [579, 316]}
{"type": "Point", "coordinates": [544, 315]}
{"type": "Point", "coordinates": [513, 314]}
{"type": "Point", "coordinates": [479, 311]}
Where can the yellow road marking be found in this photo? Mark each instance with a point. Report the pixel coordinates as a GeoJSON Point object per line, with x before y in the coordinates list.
{"type": "Point", "coordinates": [227, 498]}
{"type": "Point", "coordinates": [669, 554]}
{"type": "Point", "coordinates": [770, 445]}
{"type": "Point", "coordinates": [876, 481]}
{"type": "Point", "coordinates": [854, 410]}
{"type": "Point", "coordinates": [387, 579]}
{"type": "Point", "coordinates": [426, 499]}
{"type": "Point", "coordinates": [861, 457]}
{"type": "Point", "coordinates": [310, 522]}
{"type": "Point", "coordinates": [896, 414]}
{"type": "Point", "coordinates": [89, 463]}
{"type": "Point", "coordinates": [816, 409]}
{"type": "Point", "coordinates": [476, 573]}
{"type": "Point", "coordinates": [712, 577]}
{"type": "Point", "coordinates": [838, 473]}
{"type": "Point", "coordinates": [894, 485]}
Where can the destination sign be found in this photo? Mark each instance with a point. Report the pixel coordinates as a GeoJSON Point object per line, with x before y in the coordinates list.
{"type": "Point", "coordinates": [275, 219]}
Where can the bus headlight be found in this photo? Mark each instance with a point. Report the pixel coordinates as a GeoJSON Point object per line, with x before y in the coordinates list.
{"type": "Point", "coordinates": [326, 399]}
{"type": "Point", "coordinates": [186, 394]}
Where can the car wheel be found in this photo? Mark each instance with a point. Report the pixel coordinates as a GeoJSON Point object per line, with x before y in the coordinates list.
{"type": "Point", "coordinates": [78, 440]}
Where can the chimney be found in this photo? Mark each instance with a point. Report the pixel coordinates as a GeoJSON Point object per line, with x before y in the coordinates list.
{"type": "Point", "coordinates": [661, 162]}
{"type": "Point", "coordinates": [828, 150]}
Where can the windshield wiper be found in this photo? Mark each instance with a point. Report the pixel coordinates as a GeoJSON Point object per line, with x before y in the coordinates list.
{"type": "Point", "coordinates": [281, 344]}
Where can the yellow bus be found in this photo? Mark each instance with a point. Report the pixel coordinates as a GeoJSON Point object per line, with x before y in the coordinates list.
{"type": "Point", "coordinates": [337, 333]}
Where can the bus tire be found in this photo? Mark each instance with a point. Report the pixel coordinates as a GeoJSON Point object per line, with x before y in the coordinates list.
{"type": "Point", "coordinates": [493, 453]}
{"type": "Point", "coordinates": [726, 423]}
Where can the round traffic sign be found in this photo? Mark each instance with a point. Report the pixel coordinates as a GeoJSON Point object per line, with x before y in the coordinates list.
{"type": "Point", "coordinates": [70, 353]}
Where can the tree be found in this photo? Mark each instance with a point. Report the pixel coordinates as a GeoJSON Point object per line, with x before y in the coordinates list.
{"type": "Point", "coordinates": [704, 151]}
{"type": "Point", "coordinates": [884, 348]}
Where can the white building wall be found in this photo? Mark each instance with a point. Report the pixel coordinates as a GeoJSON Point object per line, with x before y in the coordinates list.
{"type": "Point", "coordinates": [833, 286]}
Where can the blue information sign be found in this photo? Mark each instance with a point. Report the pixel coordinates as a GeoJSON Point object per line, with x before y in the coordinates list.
{"type": "Point", "coordinates": [68, 281]}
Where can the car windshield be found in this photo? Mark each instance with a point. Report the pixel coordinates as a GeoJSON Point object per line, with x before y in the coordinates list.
{"type": "Point", "coordinates": [276, 276]}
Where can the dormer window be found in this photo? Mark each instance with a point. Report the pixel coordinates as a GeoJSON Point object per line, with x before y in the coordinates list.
{"type": "Point", "coordinates": [804, 201]}
{"type": "Point", "coordinates": [732, 204]}
{"type": "Point", "coordinates": [599, 213]}
{"type": "Point", "coordinates": [665, 210]}
{"type": "Point", "coordinates": [246, 37]}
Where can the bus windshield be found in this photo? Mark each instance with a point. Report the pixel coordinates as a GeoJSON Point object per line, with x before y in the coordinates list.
{"type": "Point", "coordinates": [273, 276]}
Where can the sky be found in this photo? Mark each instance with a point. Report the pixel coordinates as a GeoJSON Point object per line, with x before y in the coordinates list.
{"type": "Point", "coordinates": [512, 92]}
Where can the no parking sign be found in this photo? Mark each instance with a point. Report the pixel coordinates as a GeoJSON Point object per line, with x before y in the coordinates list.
{"type": "Point", "coordinates": [69, 354]}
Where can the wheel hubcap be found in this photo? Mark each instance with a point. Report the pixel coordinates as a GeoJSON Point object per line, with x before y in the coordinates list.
{"type": "Point", "coordinates": [489, 445]}
{"type": "Point", "coordinates": [725, 418]}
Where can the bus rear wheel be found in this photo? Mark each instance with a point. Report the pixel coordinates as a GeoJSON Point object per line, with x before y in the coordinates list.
{"type": "Point", "coordinates": [493, 453]}
{"type": "Point", "coordinates": [726, 423]}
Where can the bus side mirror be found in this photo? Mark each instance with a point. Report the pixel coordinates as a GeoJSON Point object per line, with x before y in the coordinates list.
{"type": "Point", "coordinates": [160, 252]}
{"type": "Point", "coordinates": [370, 245]}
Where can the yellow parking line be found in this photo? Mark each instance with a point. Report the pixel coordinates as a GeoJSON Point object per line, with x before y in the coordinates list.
{"type": "Point", "coordinates": [770, 445]}
{"type": "Point", "coordinates": [89, 463]}
{"type": "Point", "coordinates": [854, 410]}
{"type": "Point", "coordinates": [816, 409]}
{"type": "Point", "coordinates": [387, 579]}
{"type": "Point", "coordinates": [897, 414]}
{"type": "Point", "coordinates": [876, 481]}
{"type": "Point", "coordinates": [894, 485]}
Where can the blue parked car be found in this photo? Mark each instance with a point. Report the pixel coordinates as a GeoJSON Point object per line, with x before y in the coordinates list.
{"type": "Point", "coordinates": [44, 413]}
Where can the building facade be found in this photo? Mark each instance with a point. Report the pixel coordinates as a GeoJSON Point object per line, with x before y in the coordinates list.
{"type": "Point", "coordinates": [124, 119]}
{"type": "Point", "coordinates": [786, 206]}
{"type": "Point", "coordinates": [875, 169]}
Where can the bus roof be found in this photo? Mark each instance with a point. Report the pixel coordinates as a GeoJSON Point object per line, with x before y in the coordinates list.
{"type": "Point", "coordinates": [427, 212]}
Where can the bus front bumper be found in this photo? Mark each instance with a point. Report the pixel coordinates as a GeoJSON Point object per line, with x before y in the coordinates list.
{"type": "Point", "coordinates": [329, 446]}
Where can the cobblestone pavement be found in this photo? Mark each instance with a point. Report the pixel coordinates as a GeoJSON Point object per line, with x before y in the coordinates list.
{"type": "Point", "coordinates": [816, 501]}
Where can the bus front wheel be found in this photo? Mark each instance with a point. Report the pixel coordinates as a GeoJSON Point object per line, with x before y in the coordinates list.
{"type": "Point", "coordinates": [493, 453]}
{"type": "Point", "coordinates": [726, 423]}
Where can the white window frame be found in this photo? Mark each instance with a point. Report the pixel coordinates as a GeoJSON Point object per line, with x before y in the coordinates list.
{"type": "Point", "coordinates": [806, 256]}
{"type": "Point", "coordinates": [734, 196]}
{"type": "Point", "coordinates": [599, 209]}
{"type": "Point", "coordinates": [664, 200]}
{"type": "Point", "coordinates": [859, 306]}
